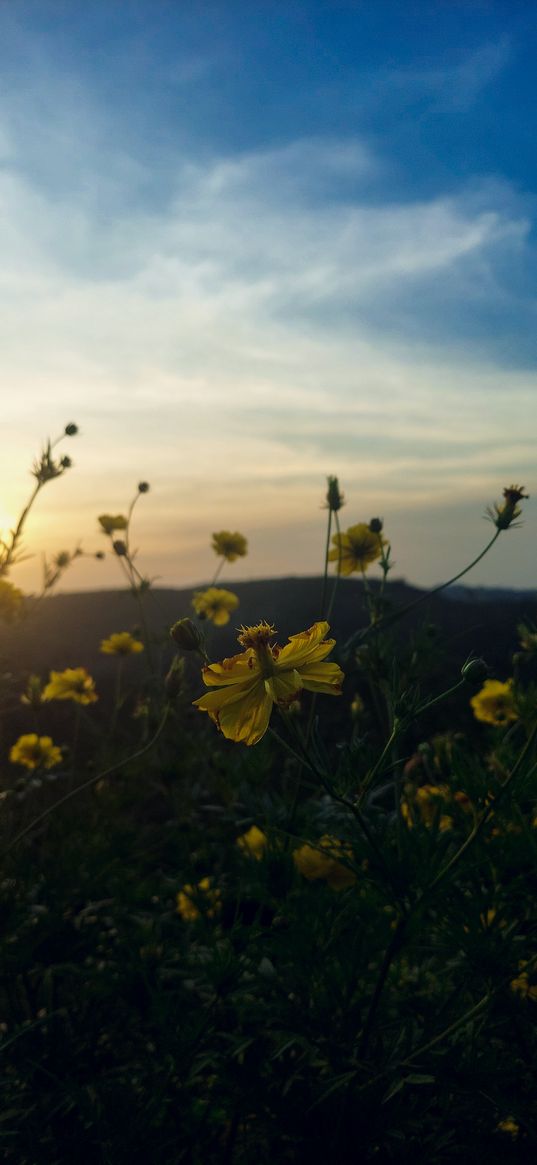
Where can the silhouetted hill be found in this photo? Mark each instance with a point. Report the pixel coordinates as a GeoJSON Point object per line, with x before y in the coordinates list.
{"type": "Point", "coordinates": [65, 630]}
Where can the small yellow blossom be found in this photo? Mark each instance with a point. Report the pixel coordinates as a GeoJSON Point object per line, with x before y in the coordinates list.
{"type": "Point", "coordinates": [423, 803]}
{"type": "Point", "coordinates": [111, 522]}
{"type": "Point", "coordinates": [229, 546]}
{"type": "Point", "coordinates": [11, 601]}
{"type": "Point", "coordinates": [72, 684]}
{"type": "Point", "coordinates": [522, 986]}
{"type": "Point", "coordinates": [193, 901]}
{"type": "Point", "coordinates": [215, 604]}
{"type": "Point", "coordinates": [253, 843]}
{"type": "Point", "coordinates": [322, 862]}
{"type": "Point", "coordinates": [35, 752]}
{"type": "Point", "coordinates": [509, 1126]}
{"type": "Point", "coordinates": [249, 684]}
{"type": "Point", "coordinates": [121, 643]}
{"type": "Point", "coordinates": [357, 707]}
{"type": "Point", "coordinates": [356, 549]}
{"type": "Point", "coordinates": [494, 704]}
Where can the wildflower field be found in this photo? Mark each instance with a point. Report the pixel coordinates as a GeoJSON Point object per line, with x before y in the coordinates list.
{"type": "Point", "coordinates": [273, 904]}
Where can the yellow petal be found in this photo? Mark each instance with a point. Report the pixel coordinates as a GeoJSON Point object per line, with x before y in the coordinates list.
{"type": "Point", "coordinates": [322, 677]}
{"type": "Point", "coordinates": [235, 670]}
{"type": "Point", "coordinates": [305, 647]}
{"type": "Point", "coordinates": [242, 713]}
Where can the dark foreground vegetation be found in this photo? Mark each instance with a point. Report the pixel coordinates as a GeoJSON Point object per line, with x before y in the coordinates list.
{"type": "Point", "coordinates": [308, 937]}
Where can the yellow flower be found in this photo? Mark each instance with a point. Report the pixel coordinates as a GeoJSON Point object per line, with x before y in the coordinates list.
{"type": "Point", "coordinates": [355, 549]}
{"type": "Point", "coordinates": [509, 1126]}
{"type": "Point", "coordinates": [253, 843]}
{"type": "Point", "coordinates": [72, 684]}
{"type": "Point", "coordinates": [424, 802]}
{"type": "Point", "coordinates": [521, 984]}
{"type": "Point", "coordinates": [35, 752]}
{"type": "Point", "coordinates": [250, 683]}
{"type": "Point", "coordinates": [11, 601]}
{"type": "Point", "coordinates": [322, 862]}
{"type": "Point", "coordinates": [121, 643]}
{"type": "Point", "coordinates": [494, 704]}
{"type": "Point", "coordinates": [111, 522]}
{"type": "Point", "coordinates": [215, 604]}
{"type": "Point", "coordinates": [229, 546]}
{"type": "Point", "coordinates": [193, 901]}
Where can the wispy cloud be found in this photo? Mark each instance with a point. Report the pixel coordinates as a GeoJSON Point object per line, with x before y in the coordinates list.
{"type": "Point", "coordinates": [239, 339]}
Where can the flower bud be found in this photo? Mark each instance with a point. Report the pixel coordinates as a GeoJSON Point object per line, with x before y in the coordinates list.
{"type": "Point", "coordinates": [120, 548]}
{"type": "Point", "coordinates": [376, 525]}
{"type": "Point", "coordinates": [71, 429]}
{"type": "Point", "coordinates": [100, 554]}
{"type": "Point", "coordinates": [66, 462]}
{"type": "Point", "coordinates": [334, 498]}
{"type": "Point", "coordinates": [475, 671]}
{"type": "Point", "coordinates": [143, 487]}
{"type": "Point", "coordinates": [187, 636]}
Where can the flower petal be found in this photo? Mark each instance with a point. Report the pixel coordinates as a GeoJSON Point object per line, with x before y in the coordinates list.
{"type": "Point", "coordinates": [234, 670]}
{"type": "Point", "coordinates": [242, 713]}
{"type": "Point", "coordinates": [305, 647]}
{"type": "Point", "coordinates": [322, 677]}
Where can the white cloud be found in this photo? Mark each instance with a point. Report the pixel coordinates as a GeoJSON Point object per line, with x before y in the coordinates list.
{"type": "Point", "coordinates": [220, 344]}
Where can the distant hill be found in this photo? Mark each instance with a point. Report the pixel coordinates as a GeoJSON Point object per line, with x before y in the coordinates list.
{"type": "Point", "coordinates": [65, 630]}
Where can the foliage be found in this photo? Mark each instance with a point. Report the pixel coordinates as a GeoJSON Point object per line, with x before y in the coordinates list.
{"type": "Point", "coordinates": [321, 946]}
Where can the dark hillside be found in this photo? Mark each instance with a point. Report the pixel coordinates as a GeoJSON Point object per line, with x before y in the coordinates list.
{"type": "Point", "coordinates": [65, 630]}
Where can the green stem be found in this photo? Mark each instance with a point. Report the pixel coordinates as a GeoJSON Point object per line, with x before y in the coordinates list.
{"type": "Point", "coordinates": [338, 575]}
{"type": "Point", "coordinates": [391, 950]}
{"type": "Point", "coordinates": [325, 572]}
{"type": "Point", "coordinates": [421, 599]}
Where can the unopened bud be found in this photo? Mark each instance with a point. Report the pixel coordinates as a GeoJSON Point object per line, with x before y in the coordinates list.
{"type": "Point", "coordinates": [66, 462]}
{"type": "Point", "coordinates": [143, 487]}
{"type": "Point", "coordinates": [71, 429]}
{"type": "Point", "coordinates": [187, 636]}
{"type": "Point", "coordinates": [376, 525]}
{"type": "Point", "coordinates": [475, 671]}
{"type": "Point", "coordinates": [334, 498]}
{"type": "Point", "coordinates": [120, 548]}
{"type": "Point", "coordinates": [100, 554]}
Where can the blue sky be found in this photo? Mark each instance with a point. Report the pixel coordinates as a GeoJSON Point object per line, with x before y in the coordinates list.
{"type": "Point", "coordinates": [250, 244]}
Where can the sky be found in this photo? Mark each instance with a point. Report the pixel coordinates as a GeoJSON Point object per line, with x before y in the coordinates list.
{"type": "Point", "coordinates": [246, 245]}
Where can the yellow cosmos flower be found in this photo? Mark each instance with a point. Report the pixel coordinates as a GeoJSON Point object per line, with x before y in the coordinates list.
{"type": "Point", "coordinates": [253, 843]}
{"type": "Point", "coordinates": [72, 684]}
{"type": "Point", "coordinates": [522, 985]}
{"type": "Point", "coordinates": [250, 683]}
{"type": "Point", "coordinates": [495, 703]}
{"type": "Point", "coordinates": [215, 604]}
{"type": "Point", "coordinates": [229, 546]}
{"type": "Point", "coordinates": [35, 752]}
{"type": "Point", "coordinates": [509, 1126]}
{"type": "Point", "coordinates": [322, 862]}
{"type": "Point", "coordinates": [356, 549]}
{"type": "Point", "coordinates": [193, 901]}
{"type": "Point", "coordinates": [423, 803]}
{"type": "Point", "coordinates": [11, 601]}
{"type": "Point", "coordinates": [121, 643]}
{"type": "Point", "coordinates": [111, 522]}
